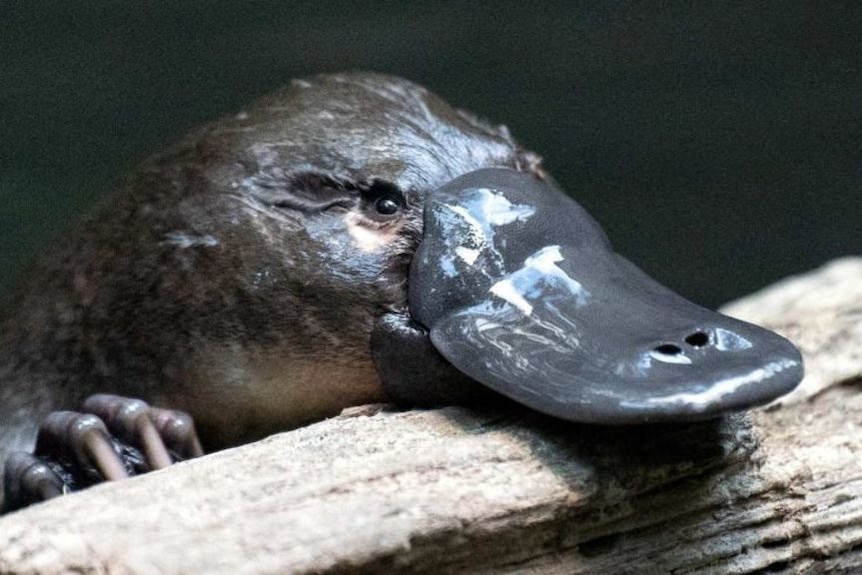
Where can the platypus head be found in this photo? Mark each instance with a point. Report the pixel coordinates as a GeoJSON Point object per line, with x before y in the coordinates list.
{"type": "Point", "coordinates": [358, 205]}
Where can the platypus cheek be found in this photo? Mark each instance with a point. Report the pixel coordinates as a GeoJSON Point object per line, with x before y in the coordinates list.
{"type": "Point", "coordinates": [521, 290]}
{"type": "Point", "coordinates": [367, 238]}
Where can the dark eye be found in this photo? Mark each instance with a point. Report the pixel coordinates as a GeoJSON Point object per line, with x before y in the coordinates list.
{"type": "Point", "coordinates": [386, 206]}
{"type": "Point", "coordinates": [383, 201]}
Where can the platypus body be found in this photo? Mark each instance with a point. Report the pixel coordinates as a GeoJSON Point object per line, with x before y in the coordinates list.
{"type": "Point", "coordinates": [353, 239]}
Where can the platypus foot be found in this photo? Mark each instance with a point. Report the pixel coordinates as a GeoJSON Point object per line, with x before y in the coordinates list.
{"type": "Point", "coordinates": [111, 438]}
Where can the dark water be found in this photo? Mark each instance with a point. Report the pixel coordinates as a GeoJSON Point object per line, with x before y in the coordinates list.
{"type": "Point", "coordinates": [719, 146]}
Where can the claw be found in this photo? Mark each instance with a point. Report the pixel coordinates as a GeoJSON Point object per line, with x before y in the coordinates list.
{"type": "Point", "coordinates": [132, 421]}
{"type": "Point", "coordinates": [84, 437]}
{"type": "Point", "coordinates": [28, 478]}
{"type": "Point", "coordinates": [177, 429]}
{"type": "Point", "coordinates": [113, 438]}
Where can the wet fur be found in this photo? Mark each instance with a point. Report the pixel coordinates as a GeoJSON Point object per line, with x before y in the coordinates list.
{"type": "Point", "coordinates": [207, 283]}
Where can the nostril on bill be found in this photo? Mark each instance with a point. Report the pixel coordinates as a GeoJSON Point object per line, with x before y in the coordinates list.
{"type": "Point", "coordinates": [668, 349]}
{"type": "Point", "coordinates": [697, 339]}
{"type": "Point", "coordinates": [670, 353]}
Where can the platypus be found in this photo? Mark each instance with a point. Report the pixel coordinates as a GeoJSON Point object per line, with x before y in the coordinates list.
{"type": "Point", "coordinates": [348, 239]}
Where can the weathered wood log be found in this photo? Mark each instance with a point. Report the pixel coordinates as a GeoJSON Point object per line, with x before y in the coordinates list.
{"type": "Point", "coordinates": [455, 490]}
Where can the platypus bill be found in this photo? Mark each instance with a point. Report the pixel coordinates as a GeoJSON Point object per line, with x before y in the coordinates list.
{"type": "Point", "coordinates": [349, 239]}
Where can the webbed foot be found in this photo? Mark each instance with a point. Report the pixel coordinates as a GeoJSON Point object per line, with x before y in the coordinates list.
{"type": "Point", "coordinates": [111, 438]}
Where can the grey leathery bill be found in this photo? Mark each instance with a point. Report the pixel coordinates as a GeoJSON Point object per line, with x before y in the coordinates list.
{"type": "Point", "coordinates": [521, 290]}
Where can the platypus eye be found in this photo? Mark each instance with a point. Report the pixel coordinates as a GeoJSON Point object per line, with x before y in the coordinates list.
{"type": "Point", "coordinates": [383, 201]}
{"type": "Point", "coordinates": [386, 206]}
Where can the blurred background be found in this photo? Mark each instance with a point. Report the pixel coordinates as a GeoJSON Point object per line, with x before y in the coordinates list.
{"type": "Point", "coordinates": [719, 145]}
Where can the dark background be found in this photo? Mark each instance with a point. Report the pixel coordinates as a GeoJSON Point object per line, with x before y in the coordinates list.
{"type": "Point", "coordinates": [719, 143]}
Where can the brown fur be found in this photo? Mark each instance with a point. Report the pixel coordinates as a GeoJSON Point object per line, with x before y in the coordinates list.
{"type": "Point", "coordinates": [224, 279]}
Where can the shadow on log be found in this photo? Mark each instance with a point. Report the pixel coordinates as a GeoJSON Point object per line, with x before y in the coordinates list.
{"type": "Point", "coordinates": [455, 490]}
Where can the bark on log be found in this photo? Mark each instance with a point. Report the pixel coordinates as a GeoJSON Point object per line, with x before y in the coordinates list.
{"type": "Point", "coordinates": [454, 490]}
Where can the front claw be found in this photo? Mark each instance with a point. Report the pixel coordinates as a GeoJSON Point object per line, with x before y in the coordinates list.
{"type": "Point", "coordinates": [111, 438]}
